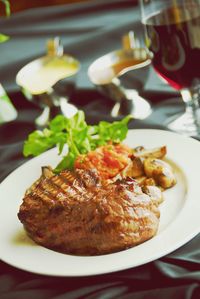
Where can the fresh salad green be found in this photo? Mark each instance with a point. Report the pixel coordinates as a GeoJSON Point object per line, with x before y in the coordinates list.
{"type": "Point", "coordinates": [77, 134]}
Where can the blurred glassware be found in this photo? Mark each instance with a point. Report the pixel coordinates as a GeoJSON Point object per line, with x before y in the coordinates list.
{"type": "Point", "coordinates": [49, 81]}
{"type": "Point", "coordinates": [107, 71]}
{"type": "Point", "coordinates": [173, 36]}
{"type": "Point", "coordinates": [7, 109]}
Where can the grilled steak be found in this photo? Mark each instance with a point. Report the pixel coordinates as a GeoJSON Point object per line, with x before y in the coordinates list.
{"type": "Point", "coordinates": [72, 212]}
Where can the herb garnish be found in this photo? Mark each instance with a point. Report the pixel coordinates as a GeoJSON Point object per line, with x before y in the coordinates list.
{"type": "Point", "coordinates": [79, 137]}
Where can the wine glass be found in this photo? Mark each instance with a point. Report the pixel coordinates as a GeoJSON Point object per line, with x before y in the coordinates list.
{"type": "Point", "coordinates": [172, 29]}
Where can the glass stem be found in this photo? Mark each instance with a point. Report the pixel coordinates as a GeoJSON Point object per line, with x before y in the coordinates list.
{"type": "Point", "coordinates": [191, 98]}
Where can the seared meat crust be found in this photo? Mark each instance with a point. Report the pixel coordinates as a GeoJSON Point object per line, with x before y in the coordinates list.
{"type": "Point", "coordinates": [72, 212]}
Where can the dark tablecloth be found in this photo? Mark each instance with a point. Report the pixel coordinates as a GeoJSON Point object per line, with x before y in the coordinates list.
{"type": "Point", "coordinates": [88, 31]}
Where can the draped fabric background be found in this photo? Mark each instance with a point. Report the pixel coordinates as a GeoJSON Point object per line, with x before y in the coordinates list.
{"type": "Point", "coordinates": [87, 30]}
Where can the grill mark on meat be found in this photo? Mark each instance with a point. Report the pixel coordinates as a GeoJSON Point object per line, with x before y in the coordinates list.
{"type": "Point", "coordinates": [77, 182]}
{"type": "Point", "coordinates": [44, 195]}
{"type": "Point", "coordinates": [58, 187]}
{"type": "Point", "coordinates": [45, 188]}
{"type": "Point", "coordinates": [62, 188]}
{"type": "Point", "coordinates": [73, 186]}
{"type": "Point", "coordinates": [53, 190]}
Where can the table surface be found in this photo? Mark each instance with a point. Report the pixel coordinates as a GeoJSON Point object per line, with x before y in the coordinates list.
{"type": "Point", "coordinates": [88, 31]}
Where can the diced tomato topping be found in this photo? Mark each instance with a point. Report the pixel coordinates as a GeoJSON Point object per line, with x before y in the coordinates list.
{"type": "Point", "coordinates": [108, 160]}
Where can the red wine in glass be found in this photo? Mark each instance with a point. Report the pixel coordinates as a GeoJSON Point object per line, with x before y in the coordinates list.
{"type": "Point", "coordinates": [175, 42]}
{"type": "Point", "coordinates": [173, 36]}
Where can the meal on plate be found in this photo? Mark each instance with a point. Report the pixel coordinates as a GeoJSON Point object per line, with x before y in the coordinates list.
{"type": "Point", "coordinates": [103, 197]}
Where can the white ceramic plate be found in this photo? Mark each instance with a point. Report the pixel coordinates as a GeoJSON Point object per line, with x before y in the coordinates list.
{"type": "Point", "coordinates": [179, 221]}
